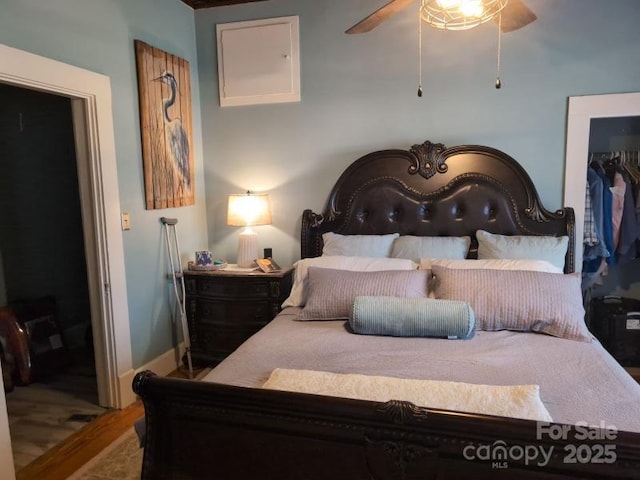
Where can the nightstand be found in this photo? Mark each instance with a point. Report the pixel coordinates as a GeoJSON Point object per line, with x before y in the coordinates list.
{"type": "Point", "coordinates": [225, 307]}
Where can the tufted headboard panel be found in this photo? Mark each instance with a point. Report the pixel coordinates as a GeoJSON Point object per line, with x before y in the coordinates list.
{"type": "Point", "coordinates": [431, 190]}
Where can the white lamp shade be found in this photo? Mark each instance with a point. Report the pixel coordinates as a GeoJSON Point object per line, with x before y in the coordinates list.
{"type": "Point", "coordinates": [248, 209]}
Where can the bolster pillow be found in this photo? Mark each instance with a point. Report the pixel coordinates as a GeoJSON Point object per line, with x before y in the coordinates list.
{"type": "Point", "coordinates": [411, 317]}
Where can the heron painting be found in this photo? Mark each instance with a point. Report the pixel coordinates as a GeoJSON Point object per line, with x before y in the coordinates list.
{"type": "Point", "coordinates": [165, 124]}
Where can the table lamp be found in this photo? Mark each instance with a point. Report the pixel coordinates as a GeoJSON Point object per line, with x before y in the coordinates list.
{"type": "Point", "coordinates": [246, 211]}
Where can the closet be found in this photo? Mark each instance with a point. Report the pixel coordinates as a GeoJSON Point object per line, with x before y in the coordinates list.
{"type": "Point", "coordinates": [604, 124]}
{"type": "Point", "coordinates": [611, 236]}
{"type": "Point", "coordinates": [611, 246]}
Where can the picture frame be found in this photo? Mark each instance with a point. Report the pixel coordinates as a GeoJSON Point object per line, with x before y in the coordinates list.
{"type": "Point", "coordinates": [164, 94]}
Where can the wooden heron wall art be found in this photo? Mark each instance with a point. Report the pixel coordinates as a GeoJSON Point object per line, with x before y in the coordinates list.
{"type": "Point", "coordinates": [164, 92]}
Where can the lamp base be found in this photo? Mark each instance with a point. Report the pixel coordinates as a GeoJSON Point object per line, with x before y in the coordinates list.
{"type": "Point", "coordinates": [247, 248]}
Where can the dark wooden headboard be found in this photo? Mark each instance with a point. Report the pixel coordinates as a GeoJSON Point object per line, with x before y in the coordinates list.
{"type": "Point", "coordinates": [431, 190]}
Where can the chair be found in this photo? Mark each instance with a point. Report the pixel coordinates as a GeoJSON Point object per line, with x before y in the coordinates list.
{"type": "Point", "coordinates": [16, 347]}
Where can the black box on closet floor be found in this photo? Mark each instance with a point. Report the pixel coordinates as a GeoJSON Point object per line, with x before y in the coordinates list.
{"type": "Point", "coordinates": [615, 321]}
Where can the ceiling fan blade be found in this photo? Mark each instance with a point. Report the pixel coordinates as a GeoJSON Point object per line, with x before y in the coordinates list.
{"type": "Point", "coordinates": [376, 18]}
{"type": "Point", "coordinates": [515, 15]}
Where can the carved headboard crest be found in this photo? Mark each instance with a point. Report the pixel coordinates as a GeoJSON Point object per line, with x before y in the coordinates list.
{"type": "Point", "coordinates": [428, 159]}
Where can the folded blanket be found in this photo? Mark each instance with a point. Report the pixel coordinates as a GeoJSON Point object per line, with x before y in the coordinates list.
{"type": "Point", "coordinates": [518, 401]}
{"type": "Point", "coordinates": [411, 317]}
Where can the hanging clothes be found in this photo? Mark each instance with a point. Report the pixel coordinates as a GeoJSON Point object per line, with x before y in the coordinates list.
{"type": "Point", "coordinates": [607, 212]}
{"type": "Point", "coordinates": [595, 255]}
{"type": "Point", "coordinates": [590, 235]}
{"type": "Point", "coordinates": [618, 190]}
{"type": "Point", "coordinates": [626, 249]}
{"type": "Point", "coordinates": [612, 210]}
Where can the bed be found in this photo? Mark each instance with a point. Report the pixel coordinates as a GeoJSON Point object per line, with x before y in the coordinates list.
{"type": "Point", "coordinates": [232, 426]}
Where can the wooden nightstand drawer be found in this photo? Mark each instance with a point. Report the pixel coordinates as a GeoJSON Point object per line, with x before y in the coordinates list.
{"type": "Point", "coordinates": [230, 288]}
{"type": "Point", "coordinates": [227, 313]}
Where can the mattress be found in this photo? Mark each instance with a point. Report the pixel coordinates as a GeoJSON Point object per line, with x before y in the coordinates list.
{"type": "Point", "coordinates": [579, 382]}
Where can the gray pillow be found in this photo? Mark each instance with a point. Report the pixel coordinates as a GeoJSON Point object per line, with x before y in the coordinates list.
{"type": "Point", "coordinates": [331, 292]}
{"type": "Point", "coordinates": [516, 300]}
{"type": "Point", "coordinates": [415, 248]}
{"type": "Point", "coordinates": [532, 247]}
{"type": "Point", "coordinates": [411, 317]}
{"type": "Point", "coordinates": [358, 245]}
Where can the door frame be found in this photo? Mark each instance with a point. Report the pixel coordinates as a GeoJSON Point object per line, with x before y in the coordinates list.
{"type": "Point", "coordinates": [581, 110]}
{"type": "Point", "coordinates": [90, 95]}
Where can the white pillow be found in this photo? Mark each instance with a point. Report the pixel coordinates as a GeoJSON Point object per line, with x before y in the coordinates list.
{"type": "Point", "coordinates": [415, 248]}
{"type": "Point", "coordinates": [533, 247]}
{"type": "Point", "coordinates": [298, 295]}
{"type": "Point", "coordinates": [358, 245]}
{"type": "Point", "coordinates": [492, 264]}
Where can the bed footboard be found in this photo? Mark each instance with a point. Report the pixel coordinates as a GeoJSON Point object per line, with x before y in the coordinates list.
{"type": "Point", "coordinates": [206, 430]}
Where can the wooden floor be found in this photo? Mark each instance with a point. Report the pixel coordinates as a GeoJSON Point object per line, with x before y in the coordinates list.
{"type": "Point", "coordinates": [66, 458]}
{"type": "Point", "coordinates": [46, 412]}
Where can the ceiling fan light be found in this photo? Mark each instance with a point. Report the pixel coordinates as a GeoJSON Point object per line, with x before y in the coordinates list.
{"type": "Point", "coordinates": [448, 4]}
{"type": "Point", "coordinates": [472, 8]}
{"type": "Point", "coordinates": [459, 14]}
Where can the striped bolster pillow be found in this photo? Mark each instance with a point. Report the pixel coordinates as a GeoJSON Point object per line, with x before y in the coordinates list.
{"type": "Point", "coordinates": [411, 317]}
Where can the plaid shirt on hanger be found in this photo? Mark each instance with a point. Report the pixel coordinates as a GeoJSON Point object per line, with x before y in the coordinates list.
{"type": "Point", "coordinates": [590, 236]}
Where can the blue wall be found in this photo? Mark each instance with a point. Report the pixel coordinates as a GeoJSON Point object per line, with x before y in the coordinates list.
{"type": "Point", "coordinates": [98, 35]}
{"type": "Point", "coordinates": [359, 95]}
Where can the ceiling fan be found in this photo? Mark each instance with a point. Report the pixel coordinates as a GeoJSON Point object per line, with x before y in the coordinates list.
{"type": "Point", "coordinates": [513, 16]}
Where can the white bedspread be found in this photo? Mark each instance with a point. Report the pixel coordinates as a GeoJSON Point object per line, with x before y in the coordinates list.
{"type": "Point", "coordinates": [517, 401]}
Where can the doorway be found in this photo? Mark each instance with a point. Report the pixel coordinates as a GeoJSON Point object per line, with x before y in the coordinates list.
{"type": "Point", "coordinates": [90, 95]}
{"type": "Point", "coordinates": [44, 276]}
{"type": "Point", "coordinates": [41, 239]}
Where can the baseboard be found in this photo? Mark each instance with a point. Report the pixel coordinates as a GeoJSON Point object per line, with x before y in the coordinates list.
{"type": "Point", "coordinates": [161, 365]}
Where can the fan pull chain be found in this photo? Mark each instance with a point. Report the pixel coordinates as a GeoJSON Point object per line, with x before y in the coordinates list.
{"type": "Point", "coordinates": [498, 82]}
{"type": "Point", "coordinates": [419, 54]}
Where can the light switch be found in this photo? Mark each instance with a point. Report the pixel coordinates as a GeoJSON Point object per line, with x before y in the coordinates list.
{"type": "Point", "coordinates": [126, 222]}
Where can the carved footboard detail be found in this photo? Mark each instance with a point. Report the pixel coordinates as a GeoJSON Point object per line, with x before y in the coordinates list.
{"type": "Point", "coordinates": [402, 456]}
{"type": "Point", "coordinates": [205, 430]}
{"type": "Point", "coordinates": [400, 453]}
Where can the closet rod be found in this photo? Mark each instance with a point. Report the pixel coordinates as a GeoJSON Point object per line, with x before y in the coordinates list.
{"type": "Point", "coordinates": [630, 155]}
